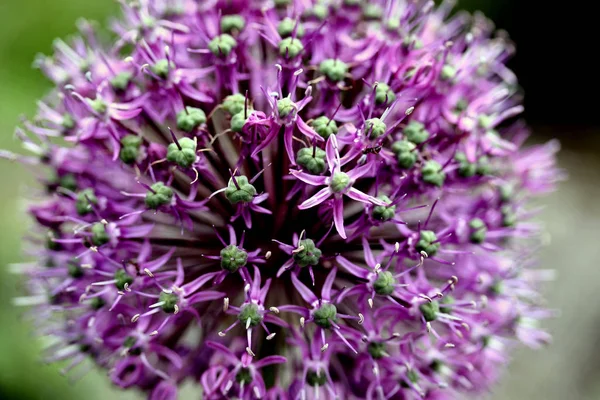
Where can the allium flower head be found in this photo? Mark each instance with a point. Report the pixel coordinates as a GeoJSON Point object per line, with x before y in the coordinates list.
{"type": "Point", "coordinates": [286, 199]}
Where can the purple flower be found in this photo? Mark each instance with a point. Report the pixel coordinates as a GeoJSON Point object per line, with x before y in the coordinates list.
{"type": "Point", "coordinates": [193, 173]}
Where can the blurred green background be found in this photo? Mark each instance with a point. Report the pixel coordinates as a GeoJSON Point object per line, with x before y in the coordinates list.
{"type": "Point", "coordinates": [568, 369]}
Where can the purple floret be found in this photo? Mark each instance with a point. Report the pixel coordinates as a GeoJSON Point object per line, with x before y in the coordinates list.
{"type": "Point", "coordinates": [286, 199]}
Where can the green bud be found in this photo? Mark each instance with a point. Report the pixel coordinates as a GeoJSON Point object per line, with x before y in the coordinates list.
{"type": "Point", "coordinates": [375, 127]}
{"type": "Point", "coordinates": [237, 122]}
{"type": "Point", "coordinates": [233, 258]}
{"type": "Point", "coordinates": [447, 300]}
{"type": "Point", "coordinates": [84, 201]}
{"type": "Point", "coordinates": [384, 285]}
{"type": "Point", "coordinates": [250, 312]}
{"type": "Point", "coordinates": [232, 23]}
{"type": "Point", "coordinates": [285, 107]}
{"type": "Point", "coordinates": [335, 70]}
{"type": "Point", "coordinates": [286, 28]}
{"type": "Point", "coordinates": [75, 271]}
{"type": "Point", "coordinates": [316, 379]}
{"type": "Point", "coordinates": [448, 72]}
{"type": "Point", "coordinates": [383, 94]}
{"type": "Point", "coordinates": [129, 342]}
{"type": "Point", "coordinates": [426, 243]}
{"type": "Point", "coordinates": [131, 141]}
{"type": "Point", "coordinates": [184, 157]}
{"type": "Point", "coordinates": [340, 181]}
{"type": "Point", "coordinates": [244, 194]}
{"type": "Point", "coordinates": [50, 242]}
{"type": "Point", "coordinates": [122, 278]}
{"type": "Point", "coordinates": [68, 122]}
{"type": "Point", "coordinates": [98, 105]}
{"type": "Point", "coordinates": [99, 234]}
{"type": "Point", "coordinates": [120, 81]}
{"type": "Point", "coordinates": [465, 169]}
{"type": "Point", "coordinates": [161, 68]}
{"type": "Point", "coordinates": [234, 103]}
{"type": "Point", "coordinates": [483, 166]}
{"type": "Point", "coordinates": [497, 288]}
{"type": "Point", "coordinates": [160, 195]}
{"type": "Point", "coordinates": [432, 173]}
{"type": "Point", "coordinates": [412, 375]}
{"type": "Point", "coordinates": [416, 132]}
{"type": "Point", "coordinates": [128, 155]}
{"type": "Point", "coordinates": [392, 25]}
{"type": "Point", "coordinates": [461, 105]}
{"type": "Point", "coordinates": [319, 11]}
{"type": "Point", "coordinates": [130, 146]}
{"type": "Point", "coordinates": [436, 365]}
{"type": "Point", "coordinates": [384, 213]}
{"type": "Point", "coordinates": [478, 230]}
{"type": "Point", "coordinates": [372, 11]}
{"type": "Point", "coordinates": [377, 350]}
{"type": "Point", "coordinates": [312, 159]}
{"type": "Point", "coordinates": [97, 303]}
{"type": "Point", "coordinates": [290, 47]}
{"type": "Point", "coordinates": [222, 45]}
{"type": "Point", "coordinates": [485, 121]}
{"type": "Point", "coordinates": [486, 340]}
{"type": "Point", "coordinates": [309, 255]}
{"type": "Point", "coordinates": [282, 3]}
{"type": "Point", "coordinates": [509, 218]}
{"type": "Point", "coordinates": [325, 315]}
{"type": "Point", "coordinates": [506, 192]}
{"type": "Point", "coordinates": [244, 376]}
{"type": "Point", "coordinates": [68, 181]}
{"type": "Point", "coordinates": [190, 120]}
{"type": "Point", "coordinates": [430, 311]}
{"type": "Point", "coordinates": [324, 126]}
{"type": "Point", "coordinates": [405, 153]}
{"type": "Point", "coordinates": [169, 301]}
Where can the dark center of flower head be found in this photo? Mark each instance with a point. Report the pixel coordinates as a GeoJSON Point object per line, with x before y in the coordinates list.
{"type": "Point", "coordinates": [250, 167]}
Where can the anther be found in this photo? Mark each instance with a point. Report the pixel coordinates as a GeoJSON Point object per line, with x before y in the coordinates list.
{"type": "Point", "coordinates": [135, 318]}
{"type": "Point", "coordinates": [274, 310]}
{"type": "Point", "coordinates": [225, 304]}
{"type": "Point", "coordinates": [249, 351]}
{"type": "Point", "coordinates": [361, 319]}
{"type": "Point", "coordinates": [271, 336]}
{"type": "Point", "coordinates": [325, 347]}
{"type": "Point", "coordinates": [148, 272]}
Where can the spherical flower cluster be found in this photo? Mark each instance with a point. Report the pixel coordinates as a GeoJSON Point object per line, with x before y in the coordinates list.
{"type": "Point", "coordinates": [286, 199]}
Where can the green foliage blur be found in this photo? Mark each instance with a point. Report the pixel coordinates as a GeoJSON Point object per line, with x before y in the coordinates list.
{"type": "Point", "coordinates": [28, 27]}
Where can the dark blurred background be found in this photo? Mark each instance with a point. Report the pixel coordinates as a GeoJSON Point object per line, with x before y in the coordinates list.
{"type": "Point", "coordinates": [556, 62]}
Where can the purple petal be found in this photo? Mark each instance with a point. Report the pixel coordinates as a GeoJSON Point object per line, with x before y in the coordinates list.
{"type": "Point", "coordinates": [317, 199]}
{"type": "Point", "coordinates": [326, 291]}
{"type": "Point", "coordinates": [352, 268]}
{"type": "Point", "coordinates": [314, 180]}
{"type": "Point", "coordinates": [338, 217]}
{"type": "Point", "coordinates": [305, 292]}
